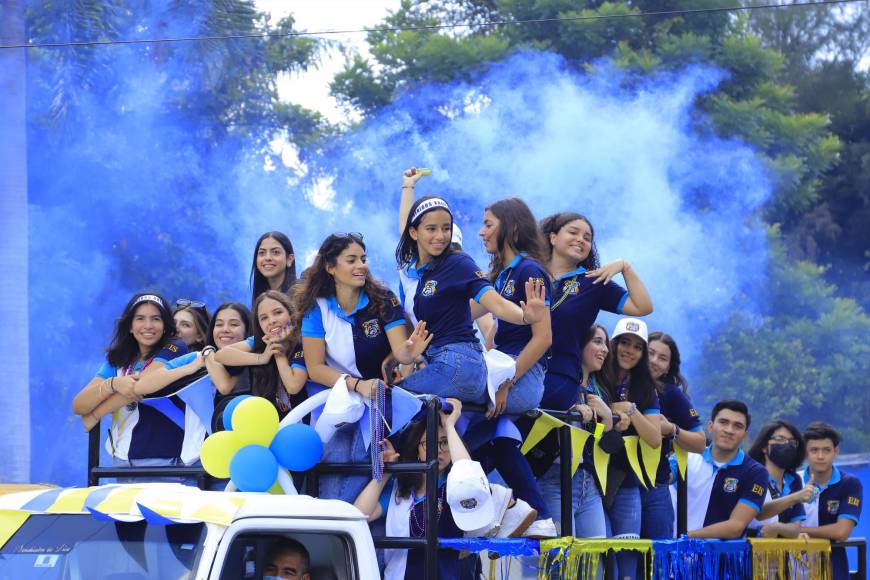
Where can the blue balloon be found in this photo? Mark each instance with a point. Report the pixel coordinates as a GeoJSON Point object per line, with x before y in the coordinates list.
{"type": "Point", "coordinates": [228, 411]}
{"type": "Point", "coordinates": [297, 447]}
{"type": "Point", "coordinates": [254, 468]}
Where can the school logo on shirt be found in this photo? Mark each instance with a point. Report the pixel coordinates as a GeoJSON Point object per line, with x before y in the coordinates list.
{"type": "Point", "coordinates": [371, 328]}
{"type": "Point", "coordinates": [509, 288]}
{"type": "Point", "coordinates": [298, 355]}
{"type": "Point", "coordinates": [429, 288]}
{"type": "Point", "coordinates": [571, 287]}
{"type": "Point", "coordinates": [833, 506]}
{"type": "Point", "coordinates": [854, 501]}
{"type": "Point", "coordinates": [172, 347]}
{"type": "Point", "coordinates": [480, 274]}
{"type": "Point", "coordinates": [693, 412]}
{"type": "Point", "coordinates": [757, 489]}
{"type": "Point", "coordinates": [394, 301]}
{"type": "Point", "coordinates": [536, 281]}
{"type": "Point", "coordinates": [730, 485]}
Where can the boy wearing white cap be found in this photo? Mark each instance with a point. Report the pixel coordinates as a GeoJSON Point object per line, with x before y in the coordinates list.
{"type": "Point", "coordinates": [465, 502]}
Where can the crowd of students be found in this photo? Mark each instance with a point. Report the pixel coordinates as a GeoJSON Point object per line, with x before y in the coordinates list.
{"type": "Point", "coordinates": [337, 327]}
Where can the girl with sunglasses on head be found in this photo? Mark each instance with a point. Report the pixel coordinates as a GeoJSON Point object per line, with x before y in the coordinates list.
{"type": "Point", "coordinates": [191, 323]}
{"type": "Point", "coordinates": [274, 264]}
{"type": "Point", "coordinates": [679, 425]}
{"type": "Point", "coordinates": [632, 392]}
{"type": "Point", "coordinates": [141, 435]}
{"type": "Point", "coordinates": [350, 323]}
{"type": "Point", "coordinates": [274, 353]}
{"type": "Point", "coordinates": [781, 448]}
{"type": "Point", "coordinates": [581, 289]}
{"type": "Point", "coordinates": [438, 286]}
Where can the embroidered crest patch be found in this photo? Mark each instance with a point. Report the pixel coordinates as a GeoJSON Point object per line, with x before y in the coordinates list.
{"type": "Point", "coordinates": [833, 506]}
{"type": "Point", "coordinates": [429, 288]}
{"type": "Point", "coordinates": [469, 503]}
{"type": "Point", "coordinates": [632, 326]}
{"type": "Point", "coordinates": [509, 288]}
{"type": "Point", "coordinates": [730, 485]}
{"type": "Point", "coordinates": [371, 328]}
{"type": "Point", "coordinates": [572, 287]}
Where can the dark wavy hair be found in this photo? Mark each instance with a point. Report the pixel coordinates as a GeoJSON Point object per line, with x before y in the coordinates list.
{"type": "Point", "coordinates": [265, 380]}
{"type": "Point", "coordinates": [409, 482]}
{"type": "Point", "coordinates": [518, 230]}
{"type": "Point", "coordinates": [758, 451]}
{"type": "Point", "coordinates": [259, 284]}
{"type": "Point", "coordinates": [124, 350]}
{"type": "Point", "coordinates": [316, 282]}
{"type": "Point", "coordinates": [600, 375]}
{"type": "Point", "coordinates": [406, 251]}
{"type": "Point", "coordinates": [553, 225]}
{"type": "Point", "coordinates": [244, 314]}
{"type": "Point", "coordinates": [641, 384]}
{"type": "Point", "coordinates": [673, 374]}
{"type": "Point", "coordinates": [202, 322]}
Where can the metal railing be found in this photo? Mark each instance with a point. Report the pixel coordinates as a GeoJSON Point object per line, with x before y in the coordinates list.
{"type": "Point", "coordinates": [429, 467]}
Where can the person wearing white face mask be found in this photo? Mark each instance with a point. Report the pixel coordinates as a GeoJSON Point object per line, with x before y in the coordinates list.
{"type": "Point", "coordinates": [287, 559]}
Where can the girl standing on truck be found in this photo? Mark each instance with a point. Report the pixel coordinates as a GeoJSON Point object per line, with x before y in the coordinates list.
{"type": "Point", "coordinates": [141, 435]}
{"type": "Point", "coordinates": [350, 323]}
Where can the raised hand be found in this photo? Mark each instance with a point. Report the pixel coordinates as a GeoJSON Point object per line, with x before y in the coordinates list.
{"type": "Point", "coordinates": [419, 340]}
{"type": "Point", "coordinates": [449, 420]}
{"type": "Point", "coordinates": [534, 308]}
{"type": "Point", "coordinates": [390, 453]}
{"type": "Point", "coordinates": [411, 176]}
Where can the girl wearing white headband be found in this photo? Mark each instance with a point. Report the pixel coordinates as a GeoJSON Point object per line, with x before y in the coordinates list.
{"type": "Point", "coordinates": [141, 435]}
{"type": "Point", "coordinates": [437, 284]}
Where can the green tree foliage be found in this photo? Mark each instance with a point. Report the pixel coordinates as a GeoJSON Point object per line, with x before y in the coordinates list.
{"type": "Point", "coordinates": [792, 91]}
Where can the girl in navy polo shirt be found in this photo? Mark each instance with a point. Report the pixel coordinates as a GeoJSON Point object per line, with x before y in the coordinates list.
{"type": "Point", "coordinates": [581, 288]}
{"type": "Point", "coordinates": [633, 396]}
{"type": "Point", "coordinates": [436, 286]}
{"type": "Point", "coordinates": [780, 447]}
{"type": "Point", "coordinates": [273, 266]}
{"type": "Point", "coordinates": [350, 324]}
{"type": "Point", "coordinates": [140, 434]}
{"type": "Point", "coordinates": [587, 508]}
{"type": "Point", "coordinates": [278, 367]}
{"type": "Point", "coordinates": [679, 424]}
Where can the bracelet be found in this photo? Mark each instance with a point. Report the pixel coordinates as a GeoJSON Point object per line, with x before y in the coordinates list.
{"type": "Point", "coordinates": [676, 431]}
{"type": "Point", "coordinates": [112, 384]}
{"type": "Point", "coordinates": [355, 385]}
{"type": "Point", "coordinates": [407, 187]}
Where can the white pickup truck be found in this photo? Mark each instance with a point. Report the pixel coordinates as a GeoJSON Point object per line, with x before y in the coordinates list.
{"type": "Point", "coordinates": [169, 531]}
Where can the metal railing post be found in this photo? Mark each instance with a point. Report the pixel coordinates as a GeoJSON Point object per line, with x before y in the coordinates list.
{"type": "Point", "coordinates": [566, 493]}
{"type": "Point", "coordinates": [432, 420]}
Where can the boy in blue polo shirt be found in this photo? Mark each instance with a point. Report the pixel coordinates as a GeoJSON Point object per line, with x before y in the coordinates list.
{"type": "Point", "coordinates": [726, 487]}
{"type": "Point", "coordinates": [836, 508]}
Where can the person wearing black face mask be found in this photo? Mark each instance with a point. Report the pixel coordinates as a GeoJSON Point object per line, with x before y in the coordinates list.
{"type": "Point", "coordinates": [780, 447]}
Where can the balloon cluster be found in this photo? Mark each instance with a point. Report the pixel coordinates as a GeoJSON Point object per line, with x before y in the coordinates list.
{"type": "Point", "coordinates": [252, 449]}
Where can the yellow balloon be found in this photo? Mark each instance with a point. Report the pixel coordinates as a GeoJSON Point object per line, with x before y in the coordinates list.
{"type": "Point", "coordinates": [217, 452]}
{"type": "Point", "coordinates": [255, 421]}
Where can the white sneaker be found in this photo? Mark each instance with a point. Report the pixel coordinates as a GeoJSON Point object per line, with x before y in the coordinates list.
{"type": "Point", "coordinates": [541, 529]}
{"type": "Point", "coordinates": [516, 519]}
{"type": "Point", "coordinates": [501, 497]}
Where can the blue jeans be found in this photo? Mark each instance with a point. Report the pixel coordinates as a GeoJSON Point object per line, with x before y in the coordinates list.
{"type": "Point", "coordinates": [657, 513]}
{"type": "Point", "coordinates": [623, 517]}
{"type": "Point", "coordinates": [586, 506]}
{"type": "Point", "coordinates": [345, 446]}
{"type": "Point", "coordinates": [526, 393]}
{"type": "Point", "coordinates": [504, 455]}
{"type": "Point", "coordinates": [453, 370]}
{"type": "Point", "coordinates": [560, 391]}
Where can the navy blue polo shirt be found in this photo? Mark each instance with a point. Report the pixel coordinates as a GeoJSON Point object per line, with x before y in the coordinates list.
{"type": "Point", "coordinates": [439, 295]}
{"type": "Point", "coordinates": [576, 303]}
{"type": "Point", "coordinates": [650, 407]}
{"type": "Point", "coordinates": [511, 284]}
{"type": "Point", "coordinates": [356, 343]}
{"type": "Point", "coordinates": [715, 490]}
{"type": "Point", "coordinates": [678, 409]}
{"type": "Point", "coordinates": [841, 497]}
{"type": "Point", "coordinates": [141, 431]}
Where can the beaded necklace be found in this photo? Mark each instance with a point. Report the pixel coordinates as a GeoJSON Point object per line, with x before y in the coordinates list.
{"type": "Point", "coordinates": [418, 529]}
{"type": "Point", "coordinates": [377, 421]}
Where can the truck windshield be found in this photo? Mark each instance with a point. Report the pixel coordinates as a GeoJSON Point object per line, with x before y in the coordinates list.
{"type": "Point", "coordinates": [81, 547]}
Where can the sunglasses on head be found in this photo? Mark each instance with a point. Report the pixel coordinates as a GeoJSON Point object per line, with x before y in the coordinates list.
{"type": "Point", "coordinates": [348, 235]}
{"type": "Point", "coordinates": [189, 303]}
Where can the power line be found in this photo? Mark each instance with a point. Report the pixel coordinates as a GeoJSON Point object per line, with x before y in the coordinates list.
{"type": "Point", "coordinates": [492, 23]}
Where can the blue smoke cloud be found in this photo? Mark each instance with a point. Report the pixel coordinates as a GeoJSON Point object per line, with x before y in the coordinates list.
{"type": "Point", "coordinates": [147, 195]}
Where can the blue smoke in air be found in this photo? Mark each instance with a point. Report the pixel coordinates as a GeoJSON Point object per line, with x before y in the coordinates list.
{"type": "Point", "coordinates": [141, 195]}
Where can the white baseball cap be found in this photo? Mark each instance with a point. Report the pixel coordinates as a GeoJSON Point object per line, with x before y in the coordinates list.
{"type": "Point", "coordinates": [456, 238]}
{"type": "Point", "coordinates": [633, 326]}
{"type": "Point", "coordinates": [469, 496]}
{"type": "Point", "coordinates": [341, 407]}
